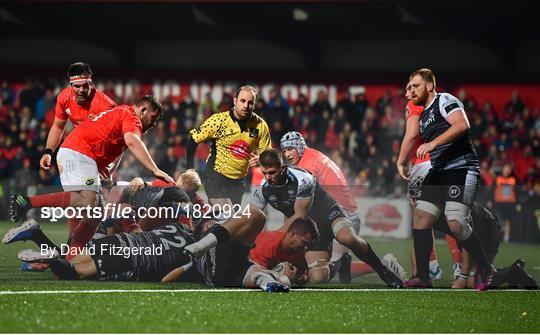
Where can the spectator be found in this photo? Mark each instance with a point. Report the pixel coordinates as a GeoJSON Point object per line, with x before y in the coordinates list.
{"type": "Point", "coordinates": [505, 199]}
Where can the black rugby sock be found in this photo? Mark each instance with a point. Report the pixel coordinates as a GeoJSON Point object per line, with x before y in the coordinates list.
{"type": "Point", "coordinates": [63, 269]}
{"type": "Point", "coordinates": [39, 238]}
{"type": "Point", "coordinates": [473, 246]}
{"type": "Point", "coordinates": [423, 243]}
{"type": "Point", "coordinates": [334, 268]}
{"type": "Point", "coordinates": [371, 259]}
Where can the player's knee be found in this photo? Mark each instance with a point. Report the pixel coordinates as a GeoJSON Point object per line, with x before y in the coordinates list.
{"type": "Point", "coordinates": [457, 215]}
{"type": "Point", "coordinates": [425, 215]}
{"type": "Point", "coordinates": [90, 198]}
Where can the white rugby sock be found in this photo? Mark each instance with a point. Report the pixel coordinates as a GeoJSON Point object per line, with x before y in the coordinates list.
{"type": "Point", "coordinates": [198, 249]}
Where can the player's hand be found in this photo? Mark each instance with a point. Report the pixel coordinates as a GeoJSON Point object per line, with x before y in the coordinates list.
{"type": "Point", "coordinates": [424, 149]}
{"type": "Point", "coordinates": [303, 278]}
{"type": "Point", "coordinates": [163, 176]}
{"type": "Point", "coordinates": [134, 185]}
{"type": "Point", "coordinates": [254, 160]}
{"type": "Point", "coordinates": [45, 161]}
{"type": "Point", "coordinates": [402, 170]}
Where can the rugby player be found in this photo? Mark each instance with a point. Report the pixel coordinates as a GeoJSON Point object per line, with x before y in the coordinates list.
{"type": "Point", "coordinates": [488, 228]}
{"type": "Point", "coordinates": [79, 102]}
{"type": "Point", "coordinates": [420, 168]}
{"type": "Point", "coordinates": [451, 183]}
{"type": "Point", "coordinates": [297, 194]}
{"type": "Point", "coordinates": [333, 181]}
{"type": "Point", "coordinates": [89, 148]}
{"type": "Point", "coordinates": [236, 136]}
{"type": "Point", "coordinates": [273, 249]}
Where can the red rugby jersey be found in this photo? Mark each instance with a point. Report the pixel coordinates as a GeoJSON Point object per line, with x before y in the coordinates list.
{"type": "Point", "coordinates": [67, 107]}
{"type": "Point", "coordinates": [411, 110]}
{"type": "Point", "coordinates": [330, 176]}
{"type": "Point", "coordinates": [268, 252]}
{"type": "Point", "coordinates": [102, 138]}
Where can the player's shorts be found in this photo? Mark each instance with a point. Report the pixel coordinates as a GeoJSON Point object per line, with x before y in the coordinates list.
{"type": "Point", "coordinates": [225, 264]}
{"type": "Point", "coordinates": [441, 186]}
{"type": "Point", "coordinates": [324, 223]}
{"type": "Point", "coordinates": [107, 263]}
{"type": "Point", "coordinates": [77, 171]}
{"type": "Point", "coordinates": [218, 186]}
{"type": "Point", "coordinates": [418, 174]}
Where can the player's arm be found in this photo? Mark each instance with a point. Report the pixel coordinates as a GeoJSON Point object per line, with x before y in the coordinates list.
{"type": "Point", "coordinates": [412, 132]}
{"type": "Point", "coordinates": [191, 149]}
{"type": "Point", "coordinates": [139, 150]}
{"type": "Point", "coordinates": [301, 210]}
{"type": "Point", "coordinates": [53, 139]}
{"type": "Point", "coordinates": [264, 143]}
{"type": "Point", "coordinates": [175, 274]}
{"type": "Point", "coordinates": [200, 134]}
{"type": "Point", "coordinates": [459, 124]}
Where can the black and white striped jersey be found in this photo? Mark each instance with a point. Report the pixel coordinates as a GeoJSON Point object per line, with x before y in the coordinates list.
{"type": "Point", "coordinates": [458, 154]}
{"type": "Point", "coordinates": [300, 184]}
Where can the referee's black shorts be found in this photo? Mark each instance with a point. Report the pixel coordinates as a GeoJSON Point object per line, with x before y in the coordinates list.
{"type": "Point", "coordinates": [218, 186]}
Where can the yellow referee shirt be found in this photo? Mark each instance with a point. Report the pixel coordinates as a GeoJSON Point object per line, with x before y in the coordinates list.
{"type": "Point", "coordinates": [233, 141]}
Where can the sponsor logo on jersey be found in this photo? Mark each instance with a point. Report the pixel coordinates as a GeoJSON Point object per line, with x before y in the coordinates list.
{"type": "Point", "coordinates": [240, 149]}
{"type": "Point", "coordinates": [333, 215]}
{"type": "Point", "coordinates": [426, 123]}
{"type": "Point", "coordinates": [272, 198]}
{"type": "Point", "coordinates": [454, 191]}
{"type": "Point", "coordinates": [89, 181]}
{"type": "Point", "coordinates": [291, 192]}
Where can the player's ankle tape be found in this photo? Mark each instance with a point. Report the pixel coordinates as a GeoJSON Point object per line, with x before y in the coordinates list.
{"type": "Point", "coordinates": [463, 276]}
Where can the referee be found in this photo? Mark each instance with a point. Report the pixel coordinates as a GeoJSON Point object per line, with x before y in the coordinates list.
{"type": "Point", "coordinates": [236, 136]}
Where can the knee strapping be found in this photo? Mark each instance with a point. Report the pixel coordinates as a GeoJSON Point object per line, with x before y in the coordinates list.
{"type": "Point", "coordinates": [343, 223]}
{"type": "Point", "coordinates": [455, 211]}
{"type": "Point", "coordinates": [428, 207]}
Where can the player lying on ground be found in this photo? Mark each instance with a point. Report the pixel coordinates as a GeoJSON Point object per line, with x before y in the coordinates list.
{"type": "Point", "coordinates": [90, 147]}
{"type": "Point", "coordinates": [486, 225]}
{"type": "Point", "coordinates": [158, 255]}
{"type": "Point", "coordinates": [287, 251]}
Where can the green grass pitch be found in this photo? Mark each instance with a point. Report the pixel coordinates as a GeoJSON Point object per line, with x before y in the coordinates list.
{"type": "Point", "coordinates": [86, 307]}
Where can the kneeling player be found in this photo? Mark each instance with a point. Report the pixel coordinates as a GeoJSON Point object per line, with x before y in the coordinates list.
{"type": "Point", "coordinates": [487, 227]}
{"type": "Point", "coordinates": [297, 194]}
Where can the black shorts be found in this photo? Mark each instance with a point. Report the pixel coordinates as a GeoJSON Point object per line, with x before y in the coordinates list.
{"type": "Point", "coordinates": [225, 264]}
{"type": "Point", "coordinates": [441, 186]}
{"type": "Point", "coordinates": [107, 264]}
{"type": "Point", "coordinates": [218, 186]}
{"type": "Point", "coordinates": [324, 224]}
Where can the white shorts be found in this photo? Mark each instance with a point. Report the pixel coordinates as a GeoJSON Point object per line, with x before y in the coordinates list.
{"type": "Point", "coordinates": [77, 171]}
{"type": "Point", "coordinates": [418, 173]}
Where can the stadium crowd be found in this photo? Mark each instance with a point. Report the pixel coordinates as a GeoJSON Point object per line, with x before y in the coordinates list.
{"type": "Point", "coordinates": [361, 136]}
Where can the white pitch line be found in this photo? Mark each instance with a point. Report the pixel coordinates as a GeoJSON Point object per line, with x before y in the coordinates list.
{"type": "Point", "coordinates": [244, 290]}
